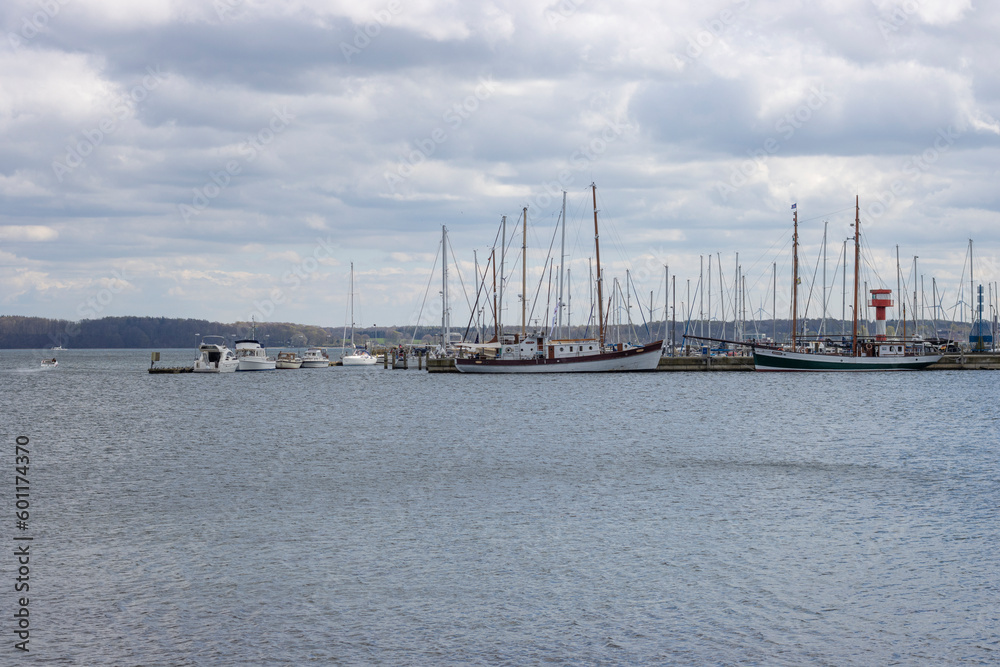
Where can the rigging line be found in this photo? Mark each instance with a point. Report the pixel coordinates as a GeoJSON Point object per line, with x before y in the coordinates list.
{"type": "Point", "coordinates": [538, 289]}
{"type": "Point", "coordinates": [812, 285]}
{"type": "Point", "coordinates": [833, 280]}
{"type": "Point", "coordinates": [826, 215]}
{"type": "Point", "coordinates": [639, 301]}
{"type": "Point", "coordinates": [479, 290]}
{"type": "Point", "coordinates": [426, 291]}
{"type": "Point", "coordinates": [458, 270]}
{"type": "Point", "coordinates": [548, 258]}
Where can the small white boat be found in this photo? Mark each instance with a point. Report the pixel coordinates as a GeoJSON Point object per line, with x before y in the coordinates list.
{"type": "Point", "coordinates": [215, 357]}
{"type": "Point", "coordinates": [253, 357]}
{"type": "Point", "coordinates": [288, 360]}
{"type": "Point", "coordinates": [49, 363]}
{"type": "Point", "coordinates": [358, 357]}
{"type": "Point", "coordinates": [59, 348]}
{"type": "Point", "coordinates": [315, 357]}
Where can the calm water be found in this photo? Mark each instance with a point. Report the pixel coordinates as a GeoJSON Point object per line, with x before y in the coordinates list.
{"type": "Point", "coordinates": [365, 516]}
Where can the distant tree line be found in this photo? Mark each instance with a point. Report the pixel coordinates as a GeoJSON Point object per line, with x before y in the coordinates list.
{"type": "Point", "coordinates": [19, 332]}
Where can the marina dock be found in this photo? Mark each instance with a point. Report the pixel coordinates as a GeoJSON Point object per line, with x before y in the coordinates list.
{"type": "Point", "coordinates": [950, 362]}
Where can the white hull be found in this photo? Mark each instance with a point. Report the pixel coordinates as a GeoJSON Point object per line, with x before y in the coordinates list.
{"type": "Point", "coordinates": [257, 364]}
{"type": "Point", "coordinates": [215, 358]}
{"type": "Point", "coordinates": [780, 360]}
{"type": "Point", "coordinates": [315, 357]}
{"type": "Point", "coordinates": [638, 359]}
{"type": "Point", "coordinates": [221, 367]}
{"type": "Point", "coordinates": [358, 360]}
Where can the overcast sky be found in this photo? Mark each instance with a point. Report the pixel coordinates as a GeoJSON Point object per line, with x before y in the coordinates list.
{"type": "Point", "coordinates": [221, 159]}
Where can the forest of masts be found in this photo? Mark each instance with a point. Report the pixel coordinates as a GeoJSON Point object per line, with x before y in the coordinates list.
{"type": "Point", "coordinates": [721, 302]}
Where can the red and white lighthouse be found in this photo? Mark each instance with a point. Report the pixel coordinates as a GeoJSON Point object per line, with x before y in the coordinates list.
{"type": "Point", "coordinates": [881, 300]}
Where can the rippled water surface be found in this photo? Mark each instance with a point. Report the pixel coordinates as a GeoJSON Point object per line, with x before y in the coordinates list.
{"type": "Point", "coordinates": [393, 517]}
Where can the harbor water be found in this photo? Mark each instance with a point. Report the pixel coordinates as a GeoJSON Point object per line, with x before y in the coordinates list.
{"type": "Point", "coordinates": [370, 516]}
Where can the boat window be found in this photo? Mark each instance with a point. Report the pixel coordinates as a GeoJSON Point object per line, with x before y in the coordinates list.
{"type": "Point", "coordinates": [562, 349]}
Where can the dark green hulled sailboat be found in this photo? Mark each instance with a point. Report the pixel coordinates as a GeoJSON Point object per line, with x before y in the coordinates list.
{"type": "Point", "coordinates": [876, 354]}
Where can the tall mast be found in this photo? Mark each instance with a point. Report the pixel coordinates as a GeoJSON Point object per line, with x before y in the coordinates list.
{"type": "Point", "coordinates": [496, 313]}
{"type": "Point", "coordinates": [709, 291]}
{"type": "Point", "coordinates": [857, 271]}
{"type": "Point", "coordinates": [774, 302]}
{"type": "Point", "coordinates": [524, 270]}
{"type": "Point", "coordinates": [666, 297]}
{"type": "Point", "coordinates": [352, 304]}
{"type": "Point", "coordinates": [600, 278]}
{"type": "Point", "coordinates": [562, 264]}
{"type": "Point", "coordinates": [843, 294]}
{"type": "Point", "coordinates": [822, 326]}
{"type": "Point", "coordinates": [972, 311]}
{"type": "Point", "coordinates": [569, 303]}
{"type": "Point", "coordinates": [503, 276]}
{"type": "Point", "coordinates": [444, 288]}
{"type": "Point", "coordinates": [900, 297]}
{"type": "Point", "coordinates": [795, 274]}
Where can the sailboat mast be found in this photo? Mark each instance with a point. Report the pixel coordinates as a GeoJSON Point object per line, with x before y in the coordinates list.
{"type": "Point", "coordinates": [600, 278]}
{"type": "Point", "coordinates": [857, 271]}
{"type": "Point", "coordinates": [496, 313]}
{"type": "Point", "coordinates": [352, 304]}
{"type": "Point", "coordinates": [503, 257]}
{"type": "Point", "coordinates": [444, 288]}
{"type": "Point", "coordinates": [562, 266]}
{"type": "Point", "coordinates": [524, 271]}
{"type": "Point", "coordinates": [795, 274]}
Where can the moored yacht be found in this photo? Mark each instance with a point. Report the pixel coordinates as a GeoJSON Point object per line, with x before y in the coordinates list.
{"type": "Point", "coordinates": [358, 357]}
{"type": "Point", "coordinates": [315, 357]}
{"type": "Point", "coordinates": [253, 357]}
{"type": "Point", "coordinates": [288, 360]}
{"type": "Point", "coordinates": [215, 357]}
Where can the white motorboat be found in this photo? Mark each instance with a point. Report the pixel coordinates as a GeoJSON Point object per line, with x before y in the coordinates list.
{"type": "Point", "coordinates": [252, 356]}
{"type": "Point", "coordinates": [288, 360]}
{"type": "Point", "coordinates": [49, 363]}
{"type": "Point", "coordinates": [358, 357]}
{"type": "Point", "coordinates": [315, 357]}
{"type": "Point", "coordinates": [215, 357]}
